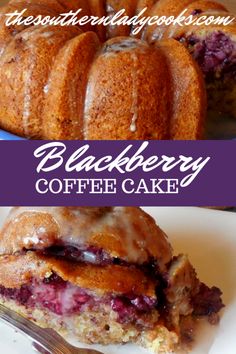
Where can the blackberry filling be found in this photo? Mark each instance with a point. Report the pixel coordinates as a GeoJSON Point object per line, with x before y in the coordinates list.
{"type": "Point", "coordinates": [63, 298]}
{"type": "Point", "coordinates": [216, 55]}
{"type": "Point", "coordinates": [208, 301]}
{"type": "Point", "coordinates": [99, 257]}
{"type": "Point", "coordinates": [84, 254]}
{"type": "Point", "coordinates": [196, 12]}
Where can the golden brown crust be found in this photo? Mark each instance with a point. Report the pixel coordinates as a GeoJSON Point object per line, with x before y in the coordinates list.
{"type": "Point", "coordinates": [68, 76]}
{"type": "Point", "coordinates": [188, 90]}
{"type": "Point", "coordinates": [184, 31]}
{"type": "Point", "coordinates": [137, 114]}
{"type": "Point", "coordinates": [141, 5]}
{"type": "Point", "coordinates": [25, 67]}
{"type": "Point", "coordinates": [114, 6]}
{"type": "Point", "coordinates": [74, 5]}
{"type": "Point", "coordinates": [205, 5]}
{"type": "Point", "coordinates": [202, 31]}
{"type": "Point", "coordinates": [203, 8]}
{"type": "Point", "coordinates": [16, 271]}
{"type": "Point", "coordinates": [174, 8]}
{"type": "Point", "coordinates": [50, 4]}
{"type": "Point", "coordinates": [7, 33]}
{"type": "Point", "coordinates": [127, 233]}
{"type": "Point", "coordinates": [165, 8]}
{"type": "Point", "coordinates": [170, 7]}
{"type": "Point", "coordinates": [98, 8]}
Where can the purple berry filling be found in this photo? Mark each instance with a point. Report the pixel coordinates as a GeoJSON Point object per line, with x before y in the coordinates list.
{"type": "Point", "coordinates": [83, 254]}
{"type": "Point", "coordinates": [208, 301]}
{"type": "Point", "coordinates": [21, 295]}
{"type": "Point", "coordinates": [63, 298]}
{"type": "Point", "coordinates": [99, 257]}
{"type": "Point", "coordinates": [215, 54]}
{"type": "Point", "coordinates": [196, 12]}
{"type": "Point", "coordinates": [130, 306]}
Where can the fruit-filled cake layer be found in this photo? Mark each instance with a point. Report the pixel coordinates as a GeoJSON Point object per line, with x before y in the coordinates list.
{"type": "Point", "coordinates": [68, 289]}
{"type": "Point", "coordinates": [109, 304]}
{"type": "Point", "coordinates": [215, 52]}
{"type": "Point", "coordinates": [65, 299]}
{"type": "Point", "coordinates": [104, 275]}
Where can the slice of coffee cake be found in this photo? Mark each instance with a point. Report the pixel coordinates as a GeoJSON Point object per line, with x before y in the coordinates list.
{"type": "Point", "coordinates": [103, 275]}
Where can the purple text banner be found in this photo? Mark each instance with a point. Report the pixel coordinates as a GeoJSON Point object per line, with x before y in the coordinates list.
{"type": "Point", "coordinates": [122, 173]}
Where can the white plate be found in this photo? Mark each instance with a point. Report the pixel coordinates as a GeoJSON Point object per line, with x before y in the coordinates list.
{"type": "Point", "coordinates": [209, 238]}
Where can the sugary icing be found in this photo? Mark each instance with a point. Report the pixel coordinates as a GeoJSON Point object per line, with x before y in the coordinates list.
{"type": "Point", "coordinates": [30, 37]}
{"type": "Point", "coordinates": [46, 88]}
{"type": "Point", "coordinates": [123, 45]}
{"type": "Point", "coordinates": [129, 227]}
{"type": "Point", "coordinates": [110, 13]}
{"type": "Point", "coordinates": [47, 34]}
{"type": "Point", "coordinates": [87, 106]}
{"type": "Point", "coordinates": [134, 107]}
{"type": "Point", "coordinates": [35, 33]}
{"type": "Point", "coordinates": [27, 98]}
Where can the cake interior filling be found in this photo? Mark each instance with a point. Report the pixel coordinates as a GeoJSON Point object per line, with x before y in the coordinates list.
{"type": "Point", "coordinates": [216, 55]}
{"type": "Point", "coordinates": [84, 254]}
{"type": "Point", "coordinates": [63, 298]}
{"type": "Point", "coordinates": [98, 257]}
{"type": "Point", "coordinates": [178, 291]}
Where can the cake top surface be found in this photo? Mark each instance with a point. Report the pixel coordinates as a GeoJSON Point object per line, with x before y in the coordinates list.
{"type": "Point", "coordinates": [127, 233]}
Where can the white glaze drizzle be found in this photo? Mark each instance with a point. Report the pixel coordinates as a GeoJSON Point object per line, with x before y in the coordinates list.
{"type": "Point", "coordinates": [2, 49]}
{"type": "Point", "coordinates": [30, 37]}
{"type": "Point", "coordinates": [27, 98]}
{"type": "Point", "coordinates": [129, 227]}
{"type": "Point", "coordinates": [134, 107]}
{"type": "Point", "coordinates": [82, 224]}
{"type": "Point", "coordinates": [47, 34]}
{"type": "Point", "coordinates": [122, 45]}
{"type": "Point", "coordinates": [111, 13]}
{"type": "Point", "coordinates": [31, 240]}
{"type": "Point", "coordinates": [87, 105]}
{"type": "Point", "coordinates": [46, 89]}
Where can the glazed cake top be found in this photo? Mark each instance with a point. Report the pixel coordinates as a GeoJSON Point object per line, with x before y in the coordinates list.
{"type": "Point", "coordinates": [124, 232]}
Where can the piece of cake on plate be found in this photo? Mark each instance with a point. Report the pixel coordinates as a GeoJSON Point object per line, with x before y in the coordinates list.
{"type": "Point", "coordinates": [104, 275]}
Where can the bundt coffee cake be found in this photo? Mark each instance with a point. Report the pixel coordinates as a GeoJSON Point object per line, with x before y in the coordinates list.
{"type": "Point", "coordinates": [97, 82]}
{"type": "Point", "coordinates": [212, 46]}
{"type": "Point", "coordinates": [104, 275]}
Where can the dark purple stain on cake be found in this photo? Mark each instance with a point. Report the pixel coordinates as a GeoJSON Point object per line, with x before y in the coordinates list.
{"type": "Point", "coordinates": [215, 54]}
{"type": "Point", "coordinates": [130, 306]}
{"type": "Point", "coordinates": [208, 301]}
{"type": "Point", "coordinates": [99, 257]}
{"type": "Point", "coordinates": [88, 255]}
{"type": "Point", "coordinates": [63, 298]}
{"type": "Point", "coordinates": [21, 295]}
{"type": "Point", "coordinates": [196, 12]}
